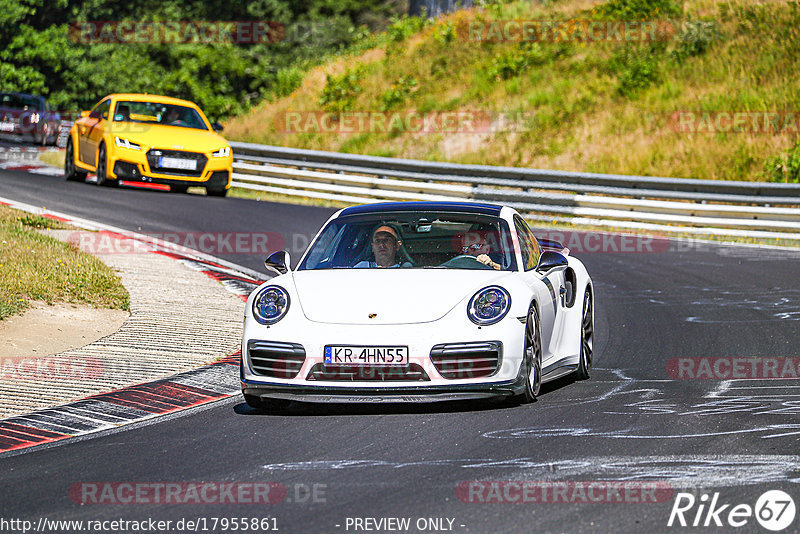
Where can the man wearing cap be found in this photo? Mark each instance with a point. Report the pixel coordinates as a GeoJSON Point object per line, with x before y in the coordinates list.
{"type": "Point", "coordinates": [385, 245]}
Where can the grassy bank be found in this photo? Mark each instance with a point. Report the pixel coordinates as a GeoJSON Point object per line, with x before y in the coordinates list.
{"type": "Point", "coordinates": [580, 106]}
{"type": "Point", "coordinates": [37, 267]}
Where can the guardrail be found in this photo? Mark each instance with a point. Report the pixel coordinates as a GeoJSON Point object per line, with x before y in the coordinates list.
{"type": "Point", "coordinates": [756, 209]}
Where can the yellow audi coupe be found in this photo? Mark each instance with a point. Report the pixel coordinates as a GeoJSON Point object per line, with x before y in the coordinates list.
{"type": "Point", "coordinates": [152, 139]}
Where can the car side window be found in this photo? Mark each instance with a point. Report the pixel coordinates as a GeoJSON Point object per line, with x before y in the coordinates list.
{"type": "Point", "coordinates": [527, 244]}
{"type": "Point", "coordinates": [101, 109]}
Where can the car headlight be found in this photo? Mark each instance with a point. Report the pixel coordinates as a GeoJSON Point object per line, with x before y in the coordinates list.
{"type": "Point", "coordinates": [124, 143]}
{"type": "Point", "coordinates": [489, 305]}
{"type": "Point", "coordinates": [223, 152]}
{"type": "Point", "coordinates": [270, 305]}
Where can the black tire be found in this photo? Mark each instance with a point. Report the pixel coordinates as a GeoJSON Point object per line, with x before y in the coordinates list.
{"type": "Point", "coordinates": [212, 192]}
{"type": "Point", "coordinates": [532, 353]}
{"type": "Point", "coordinates": [102, 166]}
{"type": "Point", "coordinates": [71, 172]}
{"type": "Point", "coordinates": [587, 337]}
{"type": "Point", "coordinates": [267, 405]}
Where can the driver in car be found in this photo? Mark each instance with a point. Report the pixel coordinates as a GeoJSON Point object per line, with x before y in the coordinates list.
{"type": "Point", "coordinates": [386, 244]}
{"type": "Point", "coordinates": [172, 117]}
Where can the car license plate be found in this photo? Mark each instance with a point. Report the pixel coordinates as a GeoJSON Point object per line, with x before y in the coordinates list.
{"type": "Point", "coordinates": [360, 355]}
{"type": "Point", "coordinates": [6, 126]}
{"type": "Point", "coordinates": [177, 163]}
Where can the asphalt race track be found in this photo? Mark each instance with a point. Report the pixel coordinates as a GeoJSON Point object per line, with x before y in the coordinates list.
{"type": "Point", "coordinates": [633, 425]}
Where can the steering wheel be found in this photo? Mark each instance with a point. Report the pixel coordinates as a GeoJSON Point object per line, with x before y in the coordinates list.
{"type": "Point", "coordinates": [464, 261]}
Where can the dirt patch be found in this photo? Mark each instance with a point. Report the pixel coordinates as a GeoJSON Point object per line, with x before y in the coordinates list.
{"type": "Point", "coordinates": [44, 330]}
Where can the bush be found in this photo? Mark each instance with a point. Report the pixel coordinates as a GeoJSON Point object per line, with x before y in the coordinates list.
{"type": "Point", "coordinates": [695, 38]}
{"type": "Point", "coordinates": [785, 167]}
{"type": "Point", "coordinates": [444, 33]}
{"type": "Point", "coordinates": [399, 92]}
{"type": "Point", "coordinates": [515, 61]}
{"type": "Point", "coordinates": [340, 92]}
{"type": "Point", "coordinates": [401, 28]}
{"type": "Point", "coordinates": [637, 68]}
{"type": "Point", "coordinates": [287, 80]}
{"type": "Point", "coordinates": [638, 9]}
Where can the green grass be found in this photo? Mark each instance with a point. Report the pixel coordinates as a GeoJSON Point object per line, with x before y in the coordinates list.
{"type": "Point", "coordinates": [593, 106]}
{"type": "Point", "coordinates": [36, 267]}
{"type": "Point", "coordinates": [54, 158]}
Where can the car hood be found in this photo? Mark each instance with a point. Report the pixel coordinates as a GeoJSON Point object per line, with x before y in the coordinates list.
{"type": "Point", "coordinates": [395, 296]}
{"type": "Point", "coordinates": [169, 137]}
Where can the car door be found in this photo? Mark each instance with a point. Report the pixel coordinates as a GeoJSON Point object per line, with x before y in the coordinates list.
{"type": "Point", "coordinates": [549, 301]}
{"type": "Point", "coordinates": [90, 132]}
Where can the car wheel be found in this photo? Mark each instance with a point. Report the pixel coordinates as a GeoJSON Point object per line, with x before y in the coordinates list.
{"type": "Point", "coordinates": [71, 172]}
{"type": "Point", "coordinates": [212, 192]}
{"type": "Point", "coordinates": [587, 337]}
{"type": "Point", "coordinates": [269, 405]}
{"type": "Point", "coordinates": [102, 166]}
{"type": "Point", "coordinates": [532, 357]}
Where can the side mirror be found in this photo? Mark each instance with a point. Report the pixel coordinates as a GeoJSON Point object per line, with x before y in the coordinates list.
{"type": "Point", "coordinates": [551, 260]}
{"type": "Point", "coordinates": [278, 262]}
{"type": "Point", "coordinates": [217, 126]}
{"type": "Point", "coordinates": [85, 114]}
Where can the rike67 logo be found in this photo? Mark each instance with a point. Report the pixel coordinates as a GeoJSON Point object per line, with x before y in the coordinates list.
{"type": "Point", "coordinates": [774, 510]}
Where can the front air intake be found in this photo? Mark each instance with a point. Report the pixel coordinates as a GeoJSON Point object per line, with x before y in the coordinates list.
{"type": "Point", "coordinates": [368, 373]}
{"type": "Point", "coordinates": [275, 359]}
{"type": "Point", "coordinates": [467, 360]}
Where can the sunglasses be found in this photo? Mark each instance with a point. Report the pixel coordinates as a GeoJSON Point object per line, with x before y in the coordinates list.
{"type": "Point", "coordinates": [474, 246]}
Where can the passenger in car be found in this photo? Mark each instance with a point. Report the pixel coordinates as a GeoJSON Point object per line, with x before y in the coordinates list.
{"type": "Point", "coordinates": [475, 244]}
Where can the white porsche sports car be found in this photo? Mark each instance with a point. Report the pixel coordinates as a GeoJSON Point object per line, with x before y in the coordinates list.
{"type": "Point", "coordinates": [418, 302]}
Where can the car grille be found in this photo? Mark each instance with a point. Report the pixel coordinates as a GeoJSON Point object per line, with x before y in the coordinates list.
{"type": "Point", "coordinates": [154, 153]}
{"type": "Point", "coordinates": [368, 373]}
{"type": "Point", "coordinates": [467, 360]}
{"type": "Point", "coordinates": [274, 359]}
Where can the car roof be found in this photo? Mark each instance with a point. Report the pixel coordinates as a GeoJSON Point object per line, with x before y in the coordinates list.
{"type": "Point", "coordinates": [459, 207]}
{"type": "Point", "coordinates": [21, 94]}
{"type": "Point", "coordinates": [142, 97]}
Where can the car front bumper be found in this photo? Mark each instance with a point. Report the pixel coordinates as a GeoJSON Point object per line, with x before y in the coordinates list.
{"type": "Point", "coordinates": [405, 394]}
{"type": "Point", "coordinates": [134, 166]}
{"type": "Point", "coordinates": [215, 179]}
{"type": "Point", "coordinates": [436, 384]}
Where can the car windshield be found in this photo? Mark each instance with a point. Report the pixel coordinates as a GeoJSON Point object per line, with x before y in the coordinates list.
{"type": "Point", "coordinates": [413, 240]}
{"type": "Point", "coordinates": [23, 102]}
{"type": "Point", "coordinates": [155, 113]}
